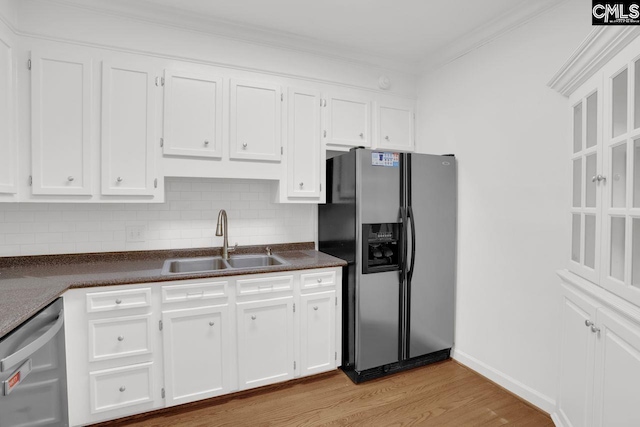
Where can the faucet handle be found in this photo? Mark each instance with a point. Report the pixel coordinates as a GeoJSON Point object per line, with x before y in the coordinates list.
{"type": "Point", "coordinates": [268, 249]}
{"type": "Point", "coordinates": [233, 249]}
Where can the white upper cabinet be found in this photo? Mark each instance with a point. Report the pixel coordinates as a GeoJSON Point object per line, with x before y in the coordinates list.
{"type": "Point", "coordinates": [7, 135]}
{"type": "Point", "coordinates": [128, 128]}
{"type": "Point", "coordinates": [348, 121]}
{"type": "Point", "coordinates": [395, 126]}
{"type": "Point", "coordinates": [304, 159]}
{"type": "Point", "coordinates": [255, 121]}
{"type": "Point", "coordinates": [61, 97]}
{"type": "Point", "coordinates": [192, 114]}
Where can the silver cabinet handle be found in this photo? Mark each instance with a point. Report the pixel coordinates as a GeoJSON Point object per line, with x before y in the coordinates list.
{"type": "Point", "coordinates": [598, 178]}
{"type": "Point", "coordinates": [361, 135]}
{"type": "Point", "coordinates": [119, 179]}
{"type": "Point", "coordinates": [211, 323]}
{"type": "Point", "coordinates": [118, 301]}
{"type": "Point", "coordinates": [121, 338]}
{"type": "Point", "coordinates": [70, 178]}
{"type": "Point", "coordinates": [386, 137]}
{"type": "Point", "coordinates": [319, 280]}
{"type": "Point", "coordinates": [301, 184]}
{"type": "Point", "coordinates": [253, 317]}
{"type": "Point", "coordinates": [315, 307]}
{"type": "Point", "coordinates": [206, 143]}
{"type": "Point", "coordinates": [588, 323]}
{"type": "Point", "coordinates": [595, 329]}
{"type": "Point", "coordinates": [123, 388]}
{"type": "Point", "coordinates": [244, 146]}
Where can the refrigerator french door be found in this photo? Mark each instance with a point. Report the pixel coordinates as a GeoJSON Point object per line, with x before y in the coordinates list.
{"type": "Point", "coordinates": [392, 217]}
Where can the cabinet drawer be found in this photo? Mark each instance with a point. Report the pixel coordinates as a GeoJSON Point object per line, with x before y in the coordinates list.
{"type": "Point", "coordinates": [318, 280]}
{"type": "Point", "coordinates": [119, 337]}
{"type": "Point", "coordinates": [264, 285]}
{"type": "Point", "coordinates": [120, 387]}
{"type": "Point", "coordinates": [194, 291]}
{"type": "Point", "coordinates": [118, 300]}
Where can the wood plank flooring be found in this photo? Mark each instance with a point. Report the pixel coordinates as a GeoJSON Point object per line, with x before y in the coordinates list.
{"type": "Point", "coordinates": [442, 394]}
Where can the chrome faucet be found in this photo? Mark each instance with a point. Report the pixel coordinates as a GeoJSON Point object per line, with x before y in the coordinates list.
{"type": "Point", "coordinates": [221, 230]}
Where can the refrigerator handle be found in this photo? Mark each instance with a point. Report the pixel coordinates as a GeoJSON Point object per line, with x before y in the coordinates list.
{"type": "Point", "coordinates": [405, 218]}
{"type": "Point", "coordinates": [413, 245]}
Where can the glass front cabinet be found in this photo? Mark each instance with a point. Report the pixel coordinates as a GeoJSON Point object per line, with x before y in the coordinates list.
{"type": "Point", "coordinates": [605, 171]}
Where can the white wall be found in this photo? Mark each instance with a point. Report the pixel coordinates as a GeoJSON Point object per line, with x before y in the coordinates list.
{"type": "Point", "coordinates": [509, 131]}
{"type": "Point", "coordinates": [186, 220]}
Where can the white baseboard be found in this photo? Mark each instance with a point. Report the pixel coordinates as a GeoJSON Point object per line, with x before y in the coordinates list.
{"type": "Point", "coordinates": [532, 396]}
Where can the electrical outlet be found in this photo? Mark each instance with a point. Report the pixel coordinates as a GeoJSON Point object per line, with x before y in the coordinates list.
{"type": "Point", "coordinates": [136, 233]}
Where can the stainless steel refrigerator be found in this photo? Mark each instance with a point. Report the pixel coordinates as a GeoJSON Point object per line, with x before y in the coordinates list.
{"type": "Point", "coordinates": [392, 217]}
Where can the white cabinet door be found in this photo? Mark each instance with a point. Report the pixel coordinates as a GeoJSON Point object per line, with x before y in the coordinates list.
{"type": "Point", "coordinates": [304, 154]}
{"type": "Point", "coordinates": [8, 146]}
{"type": "Point", "coordinates": [617, 372]}
{"type": "Point", "coordinates": [348, 121]}
{"type": "Point", "coordinates": [317, 332]}
{"type": "Point", "coordinates": [61, 95]}
{"type": "Point", "coordinates": [395, 126]}
{"type": "Point", "coordinates": [576, 359]}
{"type": "Point", "coordinates": [128, 128]}
{"type": "Point", "coordinates": [196, 353]}
{"type": "Point", "coordinates": [265, 342]}
{"type": "Point", "coordinates": [255, 120]}
{"type": "Point", "coordinates": [192, 114]}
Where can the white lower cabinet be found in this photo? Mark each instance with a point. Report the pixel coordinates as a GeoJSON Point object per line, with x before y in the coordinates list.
{"type": "Point", "coordinates": [265, 341]}
{"type": "Point", "coordinates": [136, 348]}
{"type": "Point", "coordinates": [600, 358]}
{"type": "Point", "coordinates": [196, 353]}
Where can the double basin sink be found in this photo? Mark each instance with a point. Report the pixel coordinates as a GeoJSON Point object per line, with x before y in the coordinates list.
{"type": "Point", "coordinates": [216, 263]}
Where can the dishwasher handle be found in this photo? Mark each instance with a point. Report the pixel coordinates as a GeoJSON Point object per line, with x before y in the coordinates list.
{"type": "Point", "coordinates": [26, 351]}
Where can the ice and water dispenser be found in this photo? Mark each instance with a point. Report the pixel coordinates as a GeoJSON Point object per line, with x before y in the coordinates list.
{"type": "Point", "coordinates": [381, 247]}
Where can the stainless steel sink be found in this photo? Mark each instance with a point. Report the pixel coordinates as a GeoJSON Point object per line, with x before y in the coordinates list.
{"type": "Point", "coordinates": [208, 264]}
{"type": "Point", "coordinates": [193, 265]}
{"type": "Point", "coordinates": [254, 261]}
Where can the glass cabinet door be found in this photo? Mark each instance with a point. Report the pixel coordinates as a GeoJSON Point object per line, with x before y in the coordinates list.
{"type": "Point", "coordinates": [586, 160]}
{"type": "Point", "coordinates": [620, 179]}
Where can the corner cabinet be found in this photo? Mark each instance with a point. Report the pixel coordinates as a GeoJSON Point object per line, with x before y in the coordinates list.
{"type": "Point", "coordinates": [8, 140]}
{"type": "Point", "coordinates": [395, 122]}
{"type": "Point", "coordinates": [600, 334]}
{"type": "Point", "coordinates": [129, 100]}
{"type": "Point", "coordinates": [136, 348]}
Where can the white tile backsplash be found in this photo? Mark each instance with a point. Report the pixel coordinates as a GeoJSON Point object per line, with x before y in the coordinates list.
{"type": "Point", "coordinates": [186, 220]}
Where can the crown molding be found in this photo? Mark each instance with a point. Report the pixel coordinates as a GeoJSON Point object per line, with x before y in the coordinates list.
{"type": "Point", "coordinates": [489, 31]}
{"type": "Point", "coordinates": [602, 44]}
{"type": "Point", "coordinates": [189, 21]}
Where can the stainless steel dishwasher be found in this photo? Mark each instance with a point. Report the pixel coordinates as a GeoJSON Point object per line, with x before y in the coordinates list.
{"type": "Point", "coordinates": [33, 381]}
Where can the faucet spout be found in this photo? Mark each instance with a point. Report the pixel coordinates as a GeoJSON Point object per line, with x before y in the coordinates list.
{"type": "Point", "coordinates": [221, 230]}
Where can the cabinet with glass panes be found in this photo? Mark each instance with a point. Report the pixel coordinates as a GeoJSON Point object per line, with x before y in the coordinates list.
{"type": "Point", "coordinates": [605, 163]}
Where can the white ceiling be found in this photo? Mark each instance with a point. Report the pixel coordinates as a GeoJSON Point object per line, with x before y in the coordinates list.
{"type": "Point", "coordinates": [411, 31]}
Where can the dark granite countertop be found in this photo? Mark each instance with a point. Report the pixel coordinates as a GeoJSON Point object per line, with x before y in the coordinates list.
{"type": "Point", "coordinates": [30, 283]}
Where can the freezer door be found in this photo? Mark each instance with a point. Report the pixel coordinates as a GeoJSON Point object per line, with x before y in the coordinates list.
{"type": "Point", "coordinates": [377, 188]}
{"type": "Point", "coordinates": [377, 319]}
{"type": "Point", "coordinates": [431, 267]}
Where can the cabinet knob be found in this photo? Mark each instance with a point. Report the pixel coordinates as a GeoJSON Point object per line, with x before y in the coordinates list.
{"type": "Point", "coordinates": [319, 280]}
{"type": "Point", "coordinates": [253, 317]}
{"type": "Point", "coordinates": [118, 301]}
{"type": "Point", "coordinates": [301, 184]}
{"type": "Point", "coordinates": [244, 146]}
{"type": "Point", "coordinates": [588, 323]}
{"type": "Point", "coordinates": [119, 179]}
{"type": "Point", "coordinates": [70, 178]}
{"type": "Point", "coordinates": [211, 323]}
{"type": "Point", "coordinates": [386, 137]}
{"type": "Point", "coordinates": [206, 143]}
{"type": "Point", "coordinates": [595, 329]}
{"type": "Point", "coordinates": [315, 307]}
{"type": "Point", "coordinates": [123, 388]}
{"type": "Point", "coordinates": [121, 338]}
{"type": "Point", "coordinates": [598, 178]}
{"type": "Point", "coordinates": [361, 135]}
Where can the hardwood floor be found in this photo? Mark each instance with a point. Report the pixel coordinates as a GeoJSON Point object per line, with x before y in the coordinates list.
{"type": "Point", "coordinates": [443, 394]}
